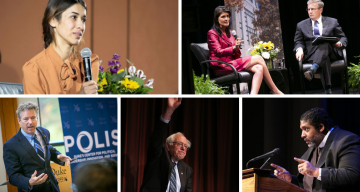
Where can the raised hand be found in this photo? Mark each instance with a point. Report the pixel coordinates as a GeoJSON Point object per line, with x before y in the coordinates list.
{"type": "Point", "coordinates": [37, 180]}
{"type": "Point", "coordinates": [281, 173]}
{"type": "Point", "coordinates": [173, 103]}
{"type": "Point", "coordinates": [64, 158]}
{"type": "Point", "coordinates": [306, 168]}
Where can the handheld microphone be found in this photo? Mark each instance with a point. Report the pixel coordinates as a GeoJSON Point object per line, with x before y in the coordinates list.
{"type": "Point", "coordinates": [269, 154]}
{"type": "Point", "coordinates": [86, 54]}
{"type": "Point", "coordinates": [234, 33]}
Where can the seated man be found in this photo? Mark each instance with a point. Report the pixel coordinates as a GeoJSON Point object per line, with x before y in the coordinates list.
{"type": "Point", "coordinates": [320, 55]}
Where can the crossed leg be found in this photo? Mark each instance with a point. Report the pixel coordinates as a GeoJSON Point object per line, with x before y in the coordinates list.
{"type": "Point", "coordinates": [258, 67]}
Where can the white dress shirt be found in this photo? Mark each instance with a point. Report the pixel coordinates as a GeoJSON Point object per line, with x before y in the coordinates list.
{"type": "Point", "coordinates": [322, 144]}
{"type": "Point", "coordinates": [178, 184]}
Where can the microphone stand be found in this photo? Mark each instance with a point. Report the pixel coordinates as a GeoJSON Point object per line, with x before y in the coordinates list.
{"type": "Point", "coordinates": [265, 163]}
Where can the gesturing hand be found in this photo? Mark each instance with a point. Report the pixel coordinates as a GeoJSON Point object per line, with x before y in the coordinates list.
{"type": "Point", "coordinates": [64, 158]}
{"type": "Point", "coordinates": [306, 168]}
{"type": "Point", "coordinates": [281, 173]}
{"type": "Point", "coordinates": [37, 180]}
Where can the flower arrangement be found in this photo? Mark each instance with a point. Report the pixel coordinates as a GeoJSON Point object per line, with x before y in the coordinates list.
{"type": "Point", "coordinates": [266, 50]}
{"type": "Point", "coordinates": [122, 81]}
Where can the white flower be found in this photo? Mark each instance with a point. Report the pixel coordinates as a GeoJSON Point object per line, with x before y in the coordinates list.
{"type": "Point", "coordinates": [149, 83]}
{"type": "Point", "coordinates": [257, 47]}
{"type": "Point", "coordinates": [260, 42]}
{"type": "Point", "coordinates": [266, 55]}
{"type": "Point", "coordinates": [132, 70]}
{"type": "Point", "coordinates": [140, 74]}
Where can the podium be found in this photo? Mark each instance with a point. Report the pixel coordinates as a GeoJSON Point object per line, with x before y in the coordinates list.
{"type": "Point", "coordinates": [259, 180]}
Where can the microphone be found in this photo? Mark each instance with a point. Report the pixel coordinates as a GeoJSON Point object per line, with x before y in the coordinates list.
{"type": "Point", "coordinates": [86, 54]}
{"type": "Point", "coordinates": [269, 154]}
{"type": "Point", "coordinates": [233, 32]}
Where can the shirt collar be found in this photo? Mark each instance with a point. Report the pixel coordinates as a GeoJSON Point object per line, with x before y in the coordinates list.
{"type": "Point", "coordinates": [27, 135]}
{"type": "Point", "coordinates": [322, 144]}
{"type": "Point", "coordinates": [319, 20]}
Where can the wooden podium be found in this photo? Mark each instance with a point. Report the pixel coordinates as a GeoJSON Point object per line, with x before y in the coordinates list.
{"type": "Point", "coordinates": [259, 180]}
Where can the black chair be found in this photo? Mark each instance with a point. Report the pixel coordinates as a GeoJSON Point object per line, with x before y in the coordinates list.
{"type": "Point", "coordinates": [11, 88]}
{"type": "Point", "coordinates": [201, 52]}
{"type": "Point", "coordinates": [339, 66]}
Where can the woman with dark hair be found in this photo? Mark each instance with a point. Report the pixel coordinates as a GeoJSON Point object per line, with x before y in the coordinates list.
{"type": "Point", "coordinates": [223, 47]}
{"type": "Point", "coordinates": [58, 69]}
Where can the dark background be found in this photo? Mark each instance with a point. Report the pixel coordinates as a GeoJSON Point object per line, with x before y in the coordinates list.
{"type": "Point", "coordinates": [275, 123]}
{"type": "Point", "coordinates": [212, 126]}
{"type": "Point", "coordinates": [197, 16]}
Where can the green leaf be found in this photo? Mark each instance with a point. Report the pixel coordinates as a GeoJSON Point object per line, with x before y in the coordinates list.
{"type": "Point", "coordinates": [118, 77]}
{"type": "Point", "coordinates": [138, 80]}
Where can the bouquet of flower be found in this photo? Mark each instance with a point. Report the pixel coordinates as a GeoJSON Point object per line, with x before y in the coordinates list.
{"type": "Point", "coordinates": [266, 50]}
{"type": "Point", "coordinates": [122, 81]}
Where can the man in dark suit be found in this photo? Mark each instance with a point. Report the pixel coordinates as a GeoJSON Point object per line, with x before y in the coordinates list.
{"type": "Point", "coordinates": [320, 55]}
{"type": "Point", "coordinates": [164, 170]}
{"type": "Point", "coordinates": [27, 154]}
{"type": "Point", "coordinates": [332, 161]}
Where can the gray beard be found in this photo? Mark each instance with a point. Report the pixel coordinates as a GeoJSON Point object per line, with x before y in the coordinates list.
{"type": "Point", "coordinates": [318, 137]}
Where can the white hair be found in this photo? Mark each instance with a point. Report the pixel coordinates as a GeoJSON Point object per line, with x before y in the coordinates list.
{"type": "Point", "coordinates": [170, 139]}
{"type": "Point", "coordinates": [319, 3]}
{"type": "Point", "coordinates": [26, 107]}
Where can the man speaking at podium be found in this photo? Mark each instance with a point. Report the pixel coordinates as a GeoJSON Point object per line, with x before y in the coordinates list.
{"type": "Point", "coordinates": [27, 154]}
{"type": "Point", "coordinates": [332, 162]}
{"type": "Point", "coordinates": [164, 169]}
{"type": "Point", "coordinates": [320, 55]}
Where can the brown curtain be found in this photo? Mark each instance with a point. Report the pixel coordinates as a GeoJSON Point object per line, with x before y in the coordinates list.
{"type": "Point", "coordinates": [212, 126]}
{"type": "Point", "coordinates": [9, 124]}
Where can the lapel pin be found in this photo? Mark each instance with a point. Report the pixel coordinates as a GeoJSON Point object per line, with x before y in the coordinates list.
{"type": "Point", "coordinates": [181, 173]}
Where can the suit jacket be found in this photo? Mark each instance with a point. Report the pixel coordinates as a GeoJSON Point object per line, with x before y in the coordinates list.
{"type": "Point", "coordinates": [304, 35]}
{"type": "Point", "coordinates": [159, 165]}
{"type": "Point", "coordinates": [21, 160]}
{"type": "Point", "coordinates": [221, 48]}
{"type": "Point", "coordinates": [339, 163]}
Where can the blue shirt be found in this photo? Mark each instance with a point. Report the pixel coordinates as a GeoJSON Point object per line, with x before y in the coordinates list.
{"type": "Point", "coordinates": [29, 137]}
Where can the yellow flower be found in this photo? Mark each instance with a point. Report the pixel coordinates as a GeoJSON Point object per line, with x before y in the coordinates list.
{"type": "Point", "coordinates": [103, 82]}
{"type": "Point", "coordinates": [101, 89]}
{"type": "Point", "coordinates": [130, 84]}
{"type": "Point", "coordinates": [121, 70]}
{"type": "Point", "coordinates": [267, 46]}
{"type": "Point", "coordinates": [272, 46]}
{"type": "Point", "coordinates": [253, 52]}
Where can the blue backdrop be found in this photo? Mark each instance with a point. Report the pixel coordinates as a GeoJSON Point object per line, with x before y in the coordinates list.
{"type": "Point", "coordinates": [90, 128]}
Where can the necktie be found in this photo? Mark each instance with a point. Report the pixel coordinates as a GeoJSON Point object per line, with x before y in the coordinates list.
{"type": "Point", "coordinates": [316, 29]}
{"type": "Point", "coordinates": [173, 180]}
{"type": "Point", "coordinates": [39, 149]}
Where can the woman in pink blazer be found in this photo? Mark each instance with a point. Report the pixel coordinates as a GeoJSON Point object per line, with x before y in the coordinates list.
{"type": "Point", "coordinates": [223, 47]}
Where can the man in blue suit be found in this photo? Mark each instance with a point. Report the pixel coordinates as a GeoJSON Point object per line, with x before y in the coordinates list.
{"type": "Point", "coordinates": [27, 154]}
{"type": "Point", "coordinates": [319, 55]}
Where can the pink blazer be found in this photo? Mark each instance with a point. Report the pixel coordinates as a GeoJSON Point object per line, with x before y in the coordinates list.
{"type": "Point", "coordinates": [221, 48]}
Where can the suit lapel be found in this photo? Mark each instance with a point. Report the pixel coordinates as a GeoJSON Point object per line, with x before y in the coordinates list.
{"type": "Point", "coordinates": [325, 151]}
{"type": "Point", "coordinates": [181, 175]}
{"type": "Point", "coordinates": [24, 143]}
{"type": "Point", "coordinates": [325, 23]}
{"type": "Point", "coordinates": [308, 27]}
{"type": "Point", "coordinates": [227, 40]}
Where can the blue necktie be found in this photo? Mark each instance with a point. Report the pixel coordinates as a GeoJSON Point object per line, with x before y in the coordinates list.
{"type": "Point", "coordinates": [39, 149]}
{"type": "Point", "coordinates": [316, 29]}
{"type": "Point", "coordinates": [173, 180]}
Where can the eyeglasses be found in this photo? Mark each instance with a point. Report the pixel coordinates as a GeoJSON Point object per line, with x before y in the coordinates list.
{"type": "Point", "coordinates": [179, 144]}
{"type": "Point", "coordinates": [26, 119]}
{"type": "Point", "coordinates": [312, 9]}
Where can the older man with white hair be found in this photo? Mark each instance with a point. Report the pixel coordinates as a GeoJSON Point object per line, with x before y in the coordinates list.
{"type": "Point", "coordinates": [319, 55]}
{"type": "Point", "coordinates": [164, 169]}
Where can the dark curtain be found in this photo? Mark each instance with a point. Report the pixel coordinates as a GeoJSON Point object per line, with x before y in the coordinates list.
{"type": "Point", "coordinates": [275, 123]}
{"type": "Point", "coordinates": [212, 126]}
{"type": "Point", "coordinates": [346, 12]}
